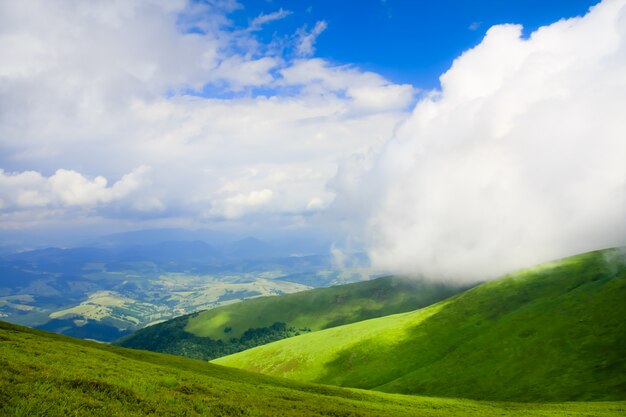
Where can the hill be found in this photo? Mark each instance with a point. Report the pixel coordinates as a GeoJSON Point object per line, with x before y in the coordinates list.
{"type": "Point", "coordinates": [555, 332]}
{"type": "Point", "coordinates": [236, 327]}
{"type": "Point", "coordinates": [48, 374]}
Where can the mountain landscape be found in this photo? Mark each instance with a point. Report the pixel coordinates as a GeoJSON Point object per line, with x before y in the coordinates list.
{"type": "Point", "coordinates": [555, 332]}
{"type": "Point", "coordinates": [324, 208]}
{"type": "Point", "coordinates": [548, 340]}
{"type": "Point", "coordinates": [220, 331]}
{"type": "Point", "coordinates": [107, 291]}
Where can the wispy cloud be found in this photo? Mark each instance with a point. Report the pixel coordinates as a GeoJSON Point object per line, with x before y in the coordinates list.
{"type": "Point", "coordinates": [306, 39]}
{"type": "Point", "coordinates": [263, 19]}
{"type": "Point", "coordinates": [475, 26]}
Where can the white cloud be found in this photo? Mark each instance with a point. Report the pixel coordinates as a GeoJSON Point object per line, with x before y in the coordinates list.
{"type": "Point", "coordinates": [384, 97]}
{"type": "Point", "coordinates": [518, 160]}
{"type": "Point", "coordinates": [95, 90]}
{"type": "Point", "coordinates": [367, 90]}
{"type": "Point", "coordinates": [306, 40]}
{"type": "Point", "coordinates": [242, 203]}
{"type": "Point", "coordinates": [66, 188]}
{"type": "Point", "coordinates": [240, 72]}
{"type": "Point", "coordinates": [315, 203]}
{"type": "Point", "coordinates": [24, 189]}
{"type": "Point", "coordinates": [75, 189]}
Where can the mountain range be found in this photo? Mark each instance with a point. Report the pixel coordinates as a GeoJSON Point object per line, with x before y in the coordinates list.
{"type": "Point", "coordinates": [128, 281]}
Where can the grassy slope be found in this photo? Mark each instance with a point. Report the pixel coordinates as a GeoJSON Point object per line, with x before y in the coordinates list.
{"type": "Point", "coordinates": [44, 374]}
{"type": "Point", "coordinates": [321, 308]}
{"type": "Point", "coordinates": [551, 333]}
{"type": "Point", "coordinates": [315, 309]}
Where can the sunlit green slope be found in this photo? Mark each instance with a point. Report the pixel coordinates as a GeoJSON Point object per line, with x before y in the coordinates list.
{"type": "Point", "coordinates": [44, 374]}
{"type": "Point", "coordinates": [550, 333]}
{"type": "Point", "coordinates": [229, 329]}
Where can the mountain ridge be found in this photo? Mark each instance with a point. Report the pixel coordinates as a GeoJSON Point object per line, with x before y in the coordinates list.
{"type": "Point", "coordinates": [227, 329]}
{"type": "Point", "coordinates": [519, 338]}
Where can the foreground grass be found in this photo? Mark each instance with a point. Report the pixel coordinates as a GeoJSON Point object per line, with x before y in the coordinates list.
{"type": "Point", "coordinates": [42, 374]}
{"type": "Point", "coordinates": [551, 333]}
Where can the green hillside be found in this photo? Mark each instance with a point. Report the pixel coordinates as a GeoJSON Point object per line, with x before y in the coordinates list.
{"type": "Point", "coordinates": [236, 327]}
{"type": "Point", "coordinates": [44, 374]}
{"type": "Point", "coordinates": [551, 333]}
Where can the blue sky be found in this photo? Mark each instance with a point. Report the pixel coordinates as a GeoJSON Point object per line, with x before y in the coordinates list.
{"type": "Point", "coordinates": [407, 41]}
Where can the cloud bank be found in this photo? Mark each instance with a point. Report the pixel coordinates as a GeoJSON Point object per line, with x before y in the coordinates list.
{"type": "Point", "coordinates": [519, 159]}
{"type": "Point", "coordinates": [159, 113]}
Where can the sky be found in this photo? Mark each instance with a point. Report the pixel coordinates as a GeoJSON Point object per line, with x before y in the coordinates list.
{"type": "Point", "coordinates": [406, 41]}
{"type": "Point", "coordinates": [419, 131]}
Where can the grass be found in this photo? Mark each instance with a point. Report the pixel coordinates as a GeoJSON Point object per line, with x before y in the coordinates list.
{"type": "Point", "coordinates": [228, 329]}
{"type": "Point", "coordinates": [44, 374]}
{"type": "Point", "coordinates": [551, 333]}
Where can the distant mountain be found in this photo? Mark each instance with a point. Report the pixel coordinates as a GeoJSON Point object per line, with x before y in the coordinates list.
{"type": "Point", "coordinates": [44, 374]}
{"type": "Point", "coordinates": [172, 251]}
{"type": "Point", "coordinates": [152, 236]}
{"type": "Point", "coordinates": [556, 332]}
{"type": "Point", "coordinates": [240, 326]}
{"type": "Point", "coordinates": [229, 244]}
{"type": "Point", "coordinates": [253, 248]}
{"type": "Point", "coordinates": [59, 255]}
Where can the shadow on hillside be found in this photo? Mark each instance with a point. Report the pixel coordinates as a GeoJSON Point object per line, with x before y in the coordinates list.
{"type": "Point", "coordinates": [556, 334]}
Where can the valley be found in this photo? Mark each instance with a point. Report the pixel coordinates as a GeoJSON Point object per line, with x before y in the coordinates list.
{"type": "Point", "coordinates": [106, 292]}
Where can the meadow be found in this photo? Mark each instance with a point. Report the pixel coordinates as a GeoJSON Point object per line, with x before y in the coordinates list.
{"type": "Point", "coordinates": [45, 374]}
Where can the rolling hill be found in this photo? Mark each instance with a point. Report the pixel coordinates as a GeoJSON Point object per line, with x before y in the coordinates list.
{"type": "Point", "coordinates": [556, 332]}
{"type": "Point", "coordinates": [250, 323]}
{"type": "Point", "coordinates": [48, 374]}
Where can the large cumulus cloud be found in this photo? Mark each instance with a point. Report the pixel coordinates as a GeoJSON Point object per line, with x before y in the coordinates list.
{"type": "Point", "coordinates": [518, 159]}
